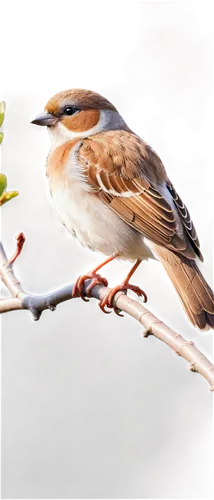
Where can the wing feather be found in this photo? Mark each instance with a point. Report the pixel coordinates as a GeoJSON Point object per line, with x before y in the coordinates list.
{"type": "Point", "coordinates": [126, 173]}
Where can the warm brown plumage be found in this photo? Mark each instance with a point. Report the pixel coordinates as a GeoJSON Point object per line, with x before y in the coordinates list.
{"type": "Point", "coordinates": [112, 192]}
{"type": "Point", "coordinates": [120, 162]}
{"type": "Point", "coordinates": [86, 99]}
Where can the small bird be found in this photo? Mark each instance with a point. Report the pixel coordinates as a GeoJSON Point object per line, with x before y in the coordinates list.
{"type": "Point", "coordinates": [112, 192]}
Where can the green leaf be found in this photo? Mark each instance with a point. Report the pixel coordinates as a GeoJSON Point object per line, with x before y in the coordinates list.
{"type": "Point", "coordinates": [1, 137]}
{"type": "Point", "coordinates": [2, 112]}
{"type": "Point", "coordinates": [3, 183]}
{"type": "Point", "coordinates": [8, 196]}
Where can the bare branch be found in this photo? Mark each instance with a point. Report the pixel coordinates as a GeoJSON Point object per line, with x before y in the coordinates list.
{"type": "Point", "coordinates": [152, 325]}
{"type": "Point", "coordinates": [7, 275]}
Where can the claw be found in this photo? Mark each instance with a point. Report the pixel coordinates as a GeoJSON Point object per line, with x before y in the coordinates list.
{"type": "Point", "coordinates": [98, 280]}
{"type": "Point", "coordinates": [78, 289]}
{"type": "Point", "coordinates": [79, 285]}
{"type": "Point", "coordinates": [102, 307]}
{"type": "Point", "coordinates": [108, 299]}
{"type": "Point", "coordinates": [105, 303]}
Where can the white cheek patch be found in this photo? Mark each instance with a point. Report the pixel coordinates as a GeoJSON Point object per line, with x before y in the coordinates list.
{"type": "Point", "coordinates": [57, 136]}
{"type": "Point", "coordinates": [109, 120]}
{"type": "Point", "coordinates": [61, 134]}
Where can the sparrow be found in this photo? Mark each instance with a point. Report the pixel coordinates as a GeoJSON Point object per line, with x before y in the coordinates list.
{"type": "Point", "coordinates": [112, 192]}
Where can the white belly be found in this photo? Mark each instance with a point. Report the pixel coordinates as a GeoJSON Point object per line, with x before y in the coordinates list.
{"type": "Point", "coordinates": [96, 225]}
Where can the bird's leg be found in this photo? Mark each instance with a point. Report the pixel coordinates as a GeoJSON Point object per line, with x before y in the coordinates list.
{"type": "Point", "coordinates": [125, 285]}
{"type": "Point", "coordinates": [96, 280]}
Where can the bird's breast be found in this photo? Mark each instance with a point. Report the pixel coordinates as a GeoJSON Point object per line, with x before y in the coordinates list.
{"type": "Point", "coordinates": [82, 212]}
{"type": "Point", "coordinates": [92, 222]}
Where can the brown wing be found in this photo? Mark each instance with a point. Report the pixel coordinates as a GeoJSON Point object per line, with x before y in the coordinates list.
{"type": "Point", "coordinates": [126, 173]}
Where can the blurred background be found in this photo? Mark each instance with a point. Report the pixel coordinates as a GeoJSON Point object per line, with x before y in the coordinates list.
{"type": "Point", "coordinates": [90, 409]}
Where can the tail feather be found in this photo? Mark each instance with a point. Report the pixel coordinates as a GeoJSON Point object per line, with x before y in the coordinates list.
{"type": "Point", "coordinates": [195, 294]}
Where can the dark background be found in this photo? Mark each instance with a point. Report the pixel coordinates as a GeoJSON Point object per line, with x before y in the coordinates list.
{"type": "Point", "coordinates": [90, 409]}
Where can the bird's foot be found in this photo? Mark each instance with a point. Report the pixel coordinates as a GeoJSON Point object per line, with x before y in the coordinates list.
{"type": "Point", "coordinates": [97, 279]}
{"type": "Point", "coordinates": [107, 301]}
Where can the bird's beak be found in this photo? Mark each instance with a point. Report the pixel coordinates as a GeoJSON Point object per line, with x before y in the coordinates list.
{"type": "Point", "coordinates": [45, 119]}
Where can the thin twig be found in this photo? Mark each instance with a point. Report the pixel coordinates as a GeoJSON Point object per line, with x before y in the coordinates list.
{"type": "Point", "coordinates": [152, 325]}
{"type": "Point", "coordinates": [20, 240]}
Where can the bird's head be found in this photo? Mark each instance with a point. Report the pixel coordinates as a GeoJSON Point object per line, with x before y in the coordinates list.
{"type": "Point", "coordinates": [78, 113]}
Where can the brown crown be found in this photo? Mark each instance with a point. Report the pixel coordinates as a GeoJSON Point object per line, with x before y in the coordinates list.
{"type": "Point", "coordinates": [83, 99]}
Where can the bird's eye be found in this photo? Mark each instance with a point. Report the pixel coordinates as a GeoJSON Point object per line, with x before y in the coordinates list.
{"type": "Point", "coordinates": [70, 110]}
